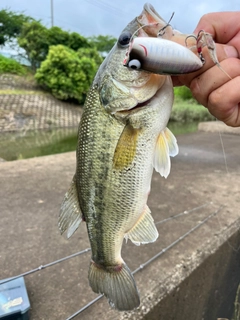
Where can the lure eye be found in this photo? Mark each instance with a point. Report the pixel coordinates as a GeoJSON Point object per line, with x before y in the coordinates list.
{"type": "Point", "coordinates": [124, 39]}
{"type": "Point", "coordinates": [134, 64]}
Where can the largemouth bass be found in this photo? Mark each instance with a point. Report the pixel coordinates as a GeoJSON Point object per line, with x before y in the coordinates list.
{"type": "Point", "coordinates": [122, 137]}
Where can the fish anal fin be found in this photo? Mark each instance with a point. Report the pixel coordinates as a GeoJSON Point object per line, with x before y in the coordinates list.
{"type": "Point", "coordinates": [126, 148]}
{"type": "Point", "coordinates": [166, 146]}
{"type": "Point", "coordinates": [116, 283]}
{"type": "Point", "coordinates": [70, 215]}
{"type": "Point", "coordinates": [144, 231]}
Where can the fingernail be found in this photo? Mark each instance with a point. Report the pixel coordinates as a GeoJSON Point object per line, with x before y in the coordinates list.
{"type": "Point", "coordinates": [231, 51]}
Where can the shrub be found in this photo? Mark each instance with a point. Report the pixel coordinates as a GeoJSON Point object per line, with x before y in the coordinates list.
{"type": "Point", "coordinates": [65, 74]}
{"type": "Point", "coordinates": [188, 111]}
{"type": "Point", "coordinates": [90, 53]}
{"type": "Point", "coordinates": [183, 92]}
{"type": "Point", "coordinates": [8, 65]}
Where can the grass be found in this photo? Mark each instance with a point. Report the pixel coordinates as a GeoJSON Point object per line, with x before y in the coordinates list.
{"type": "Point", "coordinates": [189, 111]}
{"type": "Point", "coordinates": [236, 315]}
{"type": "Point", "coordinates": [8, 65]}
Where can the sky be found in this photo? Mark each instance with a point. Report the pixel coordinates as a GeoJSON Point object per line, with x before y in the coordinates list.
{"type": "Point", "coordinates": [108, 17]}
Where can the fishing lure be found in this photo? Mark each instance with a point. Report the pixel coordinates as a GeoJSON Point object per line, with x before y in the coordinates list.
{"type": "Point", "coordinates": [165, 55]}
{"type": "Point", "coordinates": [205, 39]}
{"type": "Point", "coordinates": [162, 56]}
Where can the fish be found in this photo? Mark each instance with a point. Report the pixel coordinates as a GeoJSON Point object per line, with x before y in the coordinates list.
{"type": "Point", "coordinates": [122, 137]}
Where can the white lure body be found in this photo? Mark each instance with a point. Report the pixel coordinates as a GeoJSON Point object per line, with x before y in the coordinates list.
{"type": "Point", "coordinates": [161, 56]}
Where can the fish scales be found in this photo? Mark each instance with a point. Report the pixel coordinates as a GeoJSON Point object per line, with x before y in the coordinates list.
{"type": "Point", "coordinates": [97, 179]}
{"type": "Point", "coordinates": [122, 137]}
{"type": "Point", "coordinates": [93, 171]}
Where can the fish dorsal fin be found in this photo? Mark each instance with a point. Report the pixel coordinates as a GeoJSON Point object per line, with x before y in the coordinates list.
{"type": "Point", "coordinates": [70, 215]}
{"type": "Point", "coordinates": [166, 146]}
{"type": "Point", "coordinates": [144, 231]}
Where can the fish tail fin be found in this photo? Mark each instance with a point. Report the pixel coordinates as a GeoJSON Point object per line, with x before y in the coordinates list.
{"type": "Point", "coordinates": [116, 283]}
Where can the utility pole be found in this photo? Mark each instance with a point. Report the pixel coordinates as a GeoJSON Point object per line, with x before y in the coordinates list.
{"type": "Point", "coordinates": [52, 13]}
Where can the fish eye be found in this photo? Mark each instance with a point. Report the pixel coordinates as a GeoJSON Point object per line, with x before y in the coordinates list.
{"type": "Point", "coordinates": [124, 39]}
{"type": "Point", "coordinates": [134, 64]}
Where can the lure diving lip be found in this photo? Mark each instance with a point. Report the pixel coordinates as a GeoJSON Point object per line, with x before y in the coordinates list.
{"type": "Point", "coordinates": [161, 56]}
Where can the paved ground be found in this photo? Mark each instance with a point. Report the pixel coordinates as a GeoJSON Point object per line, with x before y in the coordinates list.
{"type": "Point", "coordinates": [31, 192]}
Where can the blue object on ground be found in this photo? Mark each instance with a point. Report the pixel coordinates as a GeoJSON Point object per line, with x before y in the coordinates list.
{"type": "Point", "coordinates": [14, 302]}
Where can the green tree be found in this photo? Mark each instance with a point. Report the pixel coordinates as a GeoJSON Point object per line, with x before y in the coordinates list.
{"type": "Point", "coordinates": [91, 53]}
{"type": "Point", "coordinates": [72, 40]}
{"type": "Point", "coordinates": [65, 74]}
{"type": "Point", "coordinates": [11, 25]}
{"type": "Point", "coordinates": [76, 41]}
{"type": "Point", "coordinates": [183, 92]}
{"type": "Point", "coordinates": [34, 40]}
{"type": "Point", "coordinates": [103, 43]}
{"type": "Point", "coordinates": [56, 35]}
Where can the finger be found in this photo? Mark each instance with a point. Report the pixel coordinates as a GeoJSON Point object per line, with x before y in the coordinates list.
{"type": "Point", "coordinates": [223, 52]}
{"type": "Point", "coordinates": [224, 103]}
{"type": "Point", "coordinates": [223, 26]}
{"type": "Point", "coordinates": [203, 85]}
{"type": "Point", "coordinates": [176, 82]}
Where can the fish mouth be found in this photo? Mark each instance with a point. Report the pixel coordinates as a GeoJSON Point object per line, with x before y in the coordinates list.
{"type": "Point", "coordinates": [152, 12]}
{"type": "Point", "coordinates": [150, 21]}
{"type": "Point", "coordinates": [140, 106]}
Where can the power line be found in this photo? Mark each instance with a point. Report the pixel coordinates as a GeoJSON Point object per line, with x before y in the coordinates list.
{"type": "Point", "coordinates": [111, 6]}
{"type": "Point", "coordinates": [142, 266]}
{"type": "Point", "coordinates": [89, 249]}
{"type": "Point", "coordinates": [46, 266]}
{"type": "Point", "coordinates": [52, 23]}
{"type": "Point", "coordinates": [106, 7]}
{"type": "Point", "coordinates": [183, 213]}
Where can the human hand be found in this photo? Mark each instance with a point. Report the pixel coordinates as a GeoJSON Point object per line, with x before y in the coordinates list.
{"type": "Point", "coordinates": [210, 85]}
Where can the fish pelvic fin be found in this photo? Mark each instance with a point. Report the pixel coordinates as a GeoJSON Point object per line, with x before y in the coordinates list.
{"type": "Point", "coordinates": [70, 215]}
{"type": "Point", "coordinates": [116, 283]}
{"type": "Point", "coordinates": [144, 231]}
{"type": "Point", "coordinates": [166, 146]}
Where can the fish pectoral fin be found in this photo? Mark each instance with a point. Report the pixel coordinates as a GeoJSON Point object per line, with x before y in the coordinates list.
{"type": "Point", "coordinates": [70, 215]}
{"type": "Point", "coordinates": [166, 146]}
{"type": "Point", "coordinates": [144, 231]}
{"type": "Point", "coordinates": [172, 142]}
{"type": "Point", "coordinates": [126, 148]}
